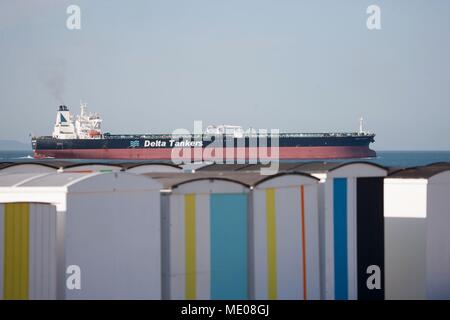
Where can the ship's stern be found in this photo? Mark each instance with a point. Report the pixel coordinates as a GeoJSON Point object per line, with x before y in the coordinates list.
{"type": "Point", "coordinates": [35, 148]}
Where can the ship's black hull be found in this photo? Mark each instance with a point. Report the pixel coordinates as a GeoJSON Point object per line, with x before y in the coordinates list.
{"type": "Point", "coordinates": [163, 147]}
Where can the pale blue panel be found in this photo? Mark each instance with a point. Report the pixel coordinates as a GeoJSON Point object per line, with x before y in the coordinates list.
{"type": "Point", "coordinates": [229, 246]}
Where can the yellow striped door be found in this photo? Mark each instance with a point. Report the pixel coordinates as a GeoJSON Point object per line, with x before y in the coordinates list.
{"type": "Point", "coordinates": [16, 250]}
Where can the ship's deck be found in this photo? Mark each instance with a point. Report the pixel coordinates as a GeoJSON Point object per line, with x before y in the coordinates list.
{"type": "Point", "coordinates": [199, 136]}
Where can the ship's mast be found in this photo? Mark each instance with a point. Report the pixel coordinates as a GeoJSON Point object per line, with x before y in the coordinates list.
{"type": "Point", "coordinates": [83, 107]}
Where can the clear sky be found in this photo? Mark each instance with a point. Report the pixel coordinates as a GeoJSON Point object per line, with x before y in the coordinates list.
{"type": "Point", "coordinates": [154, 66]}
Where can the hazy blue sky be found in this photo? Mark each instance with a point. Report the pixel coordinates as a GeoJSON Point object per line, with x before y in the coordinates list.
{"type": "Point", "coordinates": [153, 66]}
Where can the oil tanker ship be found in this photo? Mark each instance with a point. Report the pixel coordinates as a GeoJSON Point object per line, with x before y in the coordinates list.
{"type": "Point", "coordinates": [81, 137]}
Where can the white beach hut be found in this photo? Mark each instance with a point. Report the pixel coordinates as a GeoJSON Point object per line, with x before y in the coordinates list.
{"type": "Point", "coordinates": [417, 237]}
{"type": "Point", "coordinates": [351, 229]}
{"type": "Point", "coordinates": [285, 238]}
{"type": "Point", "coordinates": [205, 239]}
{"type": "Point", "coordinates": [79, 236]}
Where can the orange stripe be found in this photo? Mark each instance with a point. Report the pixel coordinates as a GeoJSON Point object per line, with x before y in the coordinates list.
{"type": "Point", "coordinates": [302, 192]}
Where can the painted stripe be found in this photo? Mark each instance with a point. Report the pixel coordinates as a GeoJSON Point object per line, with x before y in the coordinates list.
{"type": "Point", "coordinates": [190, 247]}
{"type": "Point", "coordinates": [370, 235]}
{"type": "Point", "coordinates": [302, 196]}
{"type": "Point", "coordinates": [340, 238]}
{"type": "Point", "coordinates": [271, 244]}
{"type": "Point", "coordinates": [16, 253]}
{"type": "Point", "coordinates": [35, 247]}
{"type": "Point", "coordinates": [229, 246]}
{"type": "Point", "coordinates": [2, 247]}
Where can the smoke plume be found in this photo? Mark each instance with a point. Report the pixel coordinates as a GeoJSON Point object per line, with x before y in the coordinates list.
{"type": "Point", "coordinates": [53, 77]}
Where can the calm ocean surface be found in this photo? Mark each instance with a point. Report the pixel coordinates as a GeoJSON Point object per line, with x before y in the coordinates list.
{"type": "Point", "coordinates": [385, 158]}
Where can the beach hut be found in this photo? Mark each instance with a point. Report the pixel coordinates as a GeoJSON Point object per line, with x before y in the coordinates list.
{"type": "Point", "coordinates": [77, 235]}
{"type": "Point", "coordinates": [351, 229]}
{"type": "Point", "coordinates": [285, 238]}
{"type": "Point", "coordinates": [205, 238]}
{"type": "Point", "coordinates": [417, 238]}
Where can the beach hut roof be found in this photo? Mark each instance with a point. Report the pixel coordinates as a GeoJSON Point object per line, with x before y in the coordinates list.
{"type": "Point", "coordinates": [421, 172]}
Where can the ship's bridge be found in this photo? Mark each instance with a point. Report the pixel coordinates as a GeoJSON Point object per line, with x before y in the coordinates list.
{"type": "Point", "coordinates": [83, 126]}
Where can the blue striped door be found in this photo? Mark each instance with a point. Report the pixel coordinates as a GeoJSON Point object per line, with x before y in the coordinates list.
{"type": "Point", "coordinates": [229, 246]}
{"type": "Point", "coordinates": [340, 239]}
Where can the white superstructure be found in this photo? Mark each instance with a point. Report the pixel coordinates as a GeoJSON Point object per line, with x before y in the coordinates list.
{"type": "Point", "coordinates": [84, 126]}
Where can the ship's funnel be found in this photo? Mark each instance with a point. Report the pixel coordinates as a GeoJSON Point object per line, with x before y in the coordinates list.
{"type": "Point", "coordinates": [64, 126]}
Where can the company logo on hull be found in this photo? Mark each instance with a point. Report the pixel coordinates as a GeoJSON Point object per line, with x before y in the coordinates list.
{"type": "Point", "coordinates": [134, 144]}
{"type": "Point", "coordinates": [172, 143]}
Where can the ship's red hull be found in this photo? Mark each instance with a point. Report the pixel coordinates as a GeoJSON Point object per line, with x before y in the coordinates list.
{"type": "Point", "coordinates": [284, 153]}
